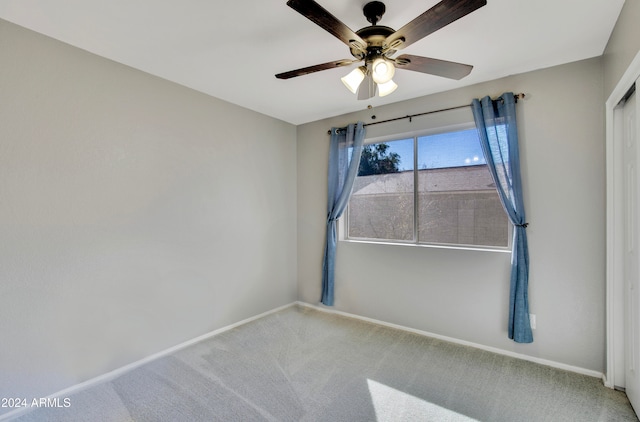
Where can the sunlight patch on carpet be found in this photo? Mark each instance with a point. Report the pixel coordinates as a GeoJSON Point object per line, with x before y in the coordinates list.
{"type": "Point", "coordinates": [395, 405]}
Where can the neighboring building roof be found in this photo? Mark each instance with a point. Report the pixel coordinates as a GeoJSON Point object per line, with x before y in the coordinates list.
{"type": "Point", "coordinates": [467, 178]}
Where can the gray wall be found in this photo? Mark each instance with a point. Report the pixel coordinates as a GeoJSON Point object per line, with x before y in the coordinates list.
{"type": "Point", "coordinates": [464, 294]}
{"type": "Point", "coordinates": [623, 45]}
{"type": "Point", "coordinates": [135, 214]}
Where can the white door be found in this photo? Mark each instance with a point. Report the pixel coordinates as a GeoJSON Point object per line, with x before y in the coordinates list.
{"type": "Point", "coordinates": [632, 249]}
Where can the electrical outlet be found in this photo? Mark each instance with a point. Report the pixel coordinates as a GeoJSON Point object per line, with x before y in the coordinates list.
{"type": "Point", "coordinates": [532, 320]}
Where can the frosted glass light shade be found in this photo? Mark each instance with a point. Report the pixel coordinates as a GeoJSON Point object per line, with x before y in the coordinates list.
{"type": "Point", "coordinates": [386, 88]}
{"type": "Point", "coordinates": [353, 80]}
{"type": "Point", "coordinates": [382, 70]}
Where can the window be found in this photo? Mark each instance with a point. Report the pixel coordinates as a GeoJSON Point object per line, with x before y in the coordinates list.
{"type": "Point", "coordinates": [429, 189]}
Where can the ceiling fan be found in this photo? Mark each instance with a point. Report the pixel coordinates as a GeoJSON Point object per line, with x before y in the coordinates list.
{"type": "Point", "coordinates": [376, 44]}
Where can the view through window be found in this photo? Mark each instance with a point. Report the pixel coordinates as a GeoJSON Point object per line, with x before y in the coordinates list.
{"type": "Point", "coordinates": [431, 189]}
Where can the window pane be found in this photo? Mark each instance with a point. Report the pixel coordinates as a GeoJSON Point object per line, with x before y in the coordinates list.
{"type": "Point", "coordinates": [382, 205]}
{"type": "Point", "coordinates": [457, 199]}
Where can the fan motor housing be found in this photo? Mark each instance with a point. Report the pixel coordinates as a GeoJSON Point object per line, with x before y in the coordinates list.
{"type": "Point", "coordinates": [374, 36]}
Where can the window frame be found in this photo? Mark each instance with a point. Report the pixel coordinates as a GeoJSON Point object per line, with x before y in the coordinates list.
{"type": "Point", "coordinates": [343, 226]}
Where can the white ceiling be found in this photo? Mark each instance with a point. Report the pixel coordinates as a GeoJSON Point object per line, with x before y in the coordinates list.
{"type": "Point", "coordinates": [232, 49]}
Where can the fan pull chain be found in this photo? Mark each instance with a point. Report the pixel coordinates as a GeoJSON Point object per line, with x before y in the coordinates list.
{"type": "Point", "coordinates": [373, 116]}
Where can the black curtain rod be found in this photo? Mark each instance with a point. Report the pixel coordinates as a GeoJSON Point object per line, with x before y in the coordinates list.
{"type": "Point", "coordinates": [411, 116]}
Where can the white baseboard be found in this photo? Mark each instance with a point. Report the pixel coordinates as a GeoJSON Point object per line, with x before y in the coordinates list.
{"type": "Point", "coordinates": [122, 370]}
{"type": "Point", "coordinates": [521, 356]}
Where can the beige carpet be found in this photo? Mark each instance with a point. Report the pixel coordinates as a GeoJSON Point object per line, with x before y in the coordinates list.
{"type": "Point", "coordinates": [300, 364]}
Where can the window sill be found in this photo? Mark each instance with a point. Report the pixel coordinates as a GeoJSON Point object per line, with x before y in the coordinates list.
{"type": "Point", "coordinates": [425, 245]}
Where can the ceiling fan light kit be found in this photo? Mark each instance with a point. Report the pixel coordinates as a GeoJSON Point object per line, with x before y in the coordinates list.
{"type": "Point", "coordinates": [353, 80]}
{"type": "Point", "coordinates": [383, 70]}
{"type": "Point", "coordinates": [386, 88]}
{"type": "Point", "coordinates": [376, 44]}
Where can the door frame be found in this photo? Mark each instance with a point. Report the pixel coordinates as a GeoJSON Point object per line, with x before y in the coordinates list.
{"type": "Point", "coordinates": [614, 376]}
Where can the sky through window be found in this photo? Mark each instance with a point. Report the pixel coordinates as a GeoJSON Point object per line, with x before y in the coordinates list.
{"type": "Point", "coordinates": [452, 149]}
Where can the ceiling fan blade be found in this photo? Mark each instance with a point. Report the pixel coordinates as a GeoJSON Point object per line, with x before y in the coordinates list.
{"type": "Point", "coordinates": [451, 70]}
{"type": "Point", "coordinates": [316, 68]}
{"type": "Point", "coordinates": [439, 16]}
{"type": "Point", "coordinates": [325, 20]}
{"type": "Point", "coordinates": [367, 88]}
